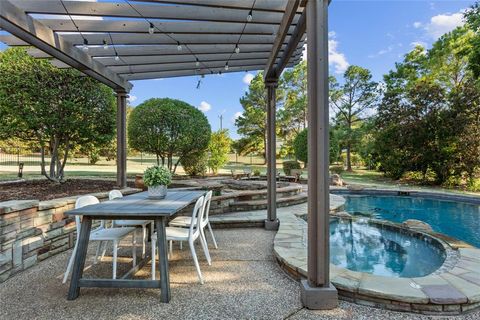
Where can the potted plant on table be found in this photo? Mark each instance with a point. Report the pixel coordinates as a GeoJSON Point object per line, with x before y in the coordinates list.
{"type": "Point", "coordinates": [157, 179]}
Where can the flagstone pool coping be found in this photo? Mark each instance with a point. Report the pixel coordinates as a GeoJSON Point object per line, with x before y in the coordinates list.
{"type": "Point", "coordinates": [453, 289]}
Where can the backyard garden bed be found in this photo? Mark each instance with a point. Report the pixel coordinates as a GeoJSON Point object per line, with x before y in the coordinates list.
{"type": "Point", "coordinates": [47, 190]}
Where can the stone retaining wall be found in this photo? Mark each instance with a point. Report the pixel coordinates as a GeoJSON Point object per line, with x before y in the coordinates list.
{"type": "Point", "coordinates": [32, 231]}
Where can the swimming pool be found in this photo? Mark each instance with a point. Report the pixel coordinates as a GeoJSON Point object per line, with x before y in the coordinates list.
{"type": "Point", "coordinates": [360, 246]}
{"type": "Point", "coordinates": [456, 219]}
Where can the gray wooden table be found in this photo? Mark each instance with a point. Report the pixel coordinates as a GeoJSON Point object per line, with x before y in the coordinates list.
{"type": "Point", "coordinates": [132, 207]}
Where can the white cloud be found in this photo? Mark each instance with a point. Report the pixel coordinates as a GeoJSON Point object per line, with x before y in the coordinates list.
{"type": "Point", "coordinates": [204, 106]}
{"type": "Point", "coordinates": [132, 98]}
{"type": "Point", "coordinates": [382, 52]}
{"type": "Point", "coordinates": [417, 24]}
{"type": "Point", "coordinates": [247, 78]}
{"type": "Point", "coordinates": [236, 116]}
{"type": "Point", "coordinates": [335, 58]}
{"type": "Point", "coordinates": [443, 23]}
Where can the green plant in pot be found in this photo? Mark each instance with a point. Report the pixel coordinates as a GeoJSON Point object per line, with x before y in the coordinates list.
{"type": "Point", "coordinates": [157, 179]}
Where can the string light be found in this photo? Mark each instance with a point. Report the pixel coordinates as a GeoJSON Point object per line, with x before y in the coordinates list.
{"type": "Point", "coordinates": [105, 44]}
{"type": "Point", "coordinates": [250, 16]}
{"type": "Point", "coordinates": [117, 58]}
{"type": "Point", "coordinates": [151, 28]}
{"type": "Point", "coordinates": [226, 66]}
{"type": "Point", "coordinates": [237, 49]}
{"type": "Point", "coordinates": [179, 46]}
{"type": "Point", "coordinates": [85, 44]}
{"type": "Point", "coordinates": [197, 63]}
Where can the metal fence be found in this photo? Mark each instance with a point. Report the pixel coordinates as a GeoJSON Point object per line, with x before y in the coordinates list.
{"type": "Point", "coordinates": [16, 156]}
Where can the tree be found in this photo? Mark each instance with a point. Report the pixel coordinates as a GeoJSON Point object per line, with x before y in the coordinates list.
{"type": "Point", "coordinates": [351, 102]}
{"type": "Point", "coordinates": [472, 18]}
{"type": "Point", "coordinates": [300, 146]}
{"type": "Point", "coordinates": [428, 117]}
{"type": "Point", "coordinates": [167, 128]}
{"type": "Point", "coordinates": [57, 109]}
{"type": "Point", "coordinates": [292, 117]}
{"type": "Point", "coordinates": [220, 144]}
{"type": "Point", "coordinates": [253, 121]}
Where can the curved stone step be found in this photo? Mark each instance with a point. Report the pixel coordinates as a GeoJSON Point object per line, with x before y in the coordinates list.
{"type": "Point", "coordinates": [251, 205]}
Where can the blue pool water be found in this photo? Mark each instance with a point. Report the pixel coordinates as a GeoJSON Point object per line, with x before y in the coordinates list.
{"type": "Point", "coordinates": [456, 219]}
{"type": "Point", "coordinates": [358, 246]}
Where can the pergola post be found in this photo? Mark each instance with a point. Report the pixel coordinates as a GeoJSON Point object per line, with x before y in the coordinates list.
{"type": "Point", "coordinates": [272, 222]}
{"type": "Point", "coordinates": [317, 291]}
{"type": "Point", "coordinates": [121, 139]}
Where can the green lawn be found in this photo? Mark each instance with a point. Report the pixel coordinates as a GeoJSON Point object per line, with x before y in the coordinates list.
{"type": "Point", "coordinates": [79, 168]}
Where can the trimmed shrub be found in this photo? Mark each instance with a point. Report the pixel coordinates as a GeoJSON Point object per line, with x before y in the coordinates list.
{"type": "Point", "coordinates": [289, 165]}
{"type": "Point", "coordinates": [300, 146]}
{"type": "Point", "coordinates": [195, 164]}
{"type": "Point", "coordinates": [337, 169]}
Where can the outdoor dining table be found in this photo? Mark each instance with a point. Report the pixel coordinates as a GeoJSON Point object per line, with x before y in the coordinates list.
{"type": "Point", "coordinates": [133, 207]}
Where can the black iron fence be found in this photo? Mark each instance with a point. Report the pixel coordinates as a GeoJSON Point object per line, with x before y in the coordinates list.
{"type": "Point", "coordinates": [16, 156]}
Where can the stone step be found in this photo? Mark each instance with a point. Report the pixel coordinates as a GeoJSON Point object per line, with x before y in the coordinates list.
{"type": "Point", "coordinates": [261, 204]}
{"type": "Point", "coordinates": [262, 194]}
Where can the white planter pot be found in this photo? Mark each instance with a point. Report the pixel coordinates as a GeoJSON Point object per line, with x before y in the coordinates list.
{"type": "Point", "coordinates": [157, 192]}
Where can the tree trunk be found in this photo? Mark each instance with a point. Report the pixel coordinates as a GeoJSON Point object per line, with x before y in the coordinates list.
{"type": "Point", "coordinates": [265, 148]}
{"type": "Point", "coordinates": [176, 165]}
{"type": "Point", "coordinates": [65, 157]}
{"type": "Point", "coordinates": [42, 161]}
{"type": "Point", "coordinates": [349, 160]}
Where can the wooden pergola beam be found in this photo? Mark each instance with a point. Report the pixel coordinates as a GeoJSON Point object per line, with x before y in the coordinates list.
{"type": "Point", "coordinates": [166, 11]}
{"type": "Point", "coordinates": [264, 5]}
{"type": "Point", "coordinates": [270, 72]}
{"type": "Point", "coordinates": [24, 27]}
{"type": "Point", "coordinates": [141, 26]}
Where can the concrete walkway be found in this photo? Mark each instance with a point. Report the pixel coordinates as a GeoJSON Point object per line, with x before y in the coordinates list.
{"type": "Point", "coordinates": [244, 282]}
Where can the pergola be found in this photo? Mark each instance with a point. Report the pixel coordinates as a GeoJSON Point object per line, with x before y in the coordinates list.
{"type": "Point", "coordinates": [120, 40]}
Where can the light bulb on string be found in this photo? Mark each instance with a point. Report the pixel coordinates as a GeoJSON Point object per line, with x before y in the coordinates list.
{"type": "Point", "coordinates": [151, 28]}
{"type": "Point", "coordinates": [237, 49]}
{"type": "Point", "coordinates": [250, 16]}
{"type": "Point", "coordinates": [85, 45]}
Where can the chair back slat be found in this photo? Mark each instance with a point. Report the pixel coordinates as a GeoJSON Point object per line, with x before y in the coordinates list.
{"type": "Point", "coordinates": [197, 215]}
{"type": "Point", "coordinates": [206, 206]}
{"type": "Point", "coordinates": [114, 194]}
{"type": "Point", "coordinates": [81, 202]}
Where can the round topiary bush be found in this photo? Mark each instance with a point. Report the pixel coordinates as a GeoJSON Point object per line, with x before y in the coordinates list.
{"type": "Point", "coordinates": [167, 128]}
{"type": "Point", "coordinates": [300, 146]}
{"type": "Point", "coordinates": [289, 165]}
{"type": "Point", "coordinates": [195, 164]}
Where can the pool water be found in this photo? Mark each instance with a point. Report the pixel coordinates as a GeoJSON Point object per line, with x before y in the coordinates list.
{"type": "Point", "coordinates": [358, 246]}
{"type": "Point", "coordinates": [456, 219]}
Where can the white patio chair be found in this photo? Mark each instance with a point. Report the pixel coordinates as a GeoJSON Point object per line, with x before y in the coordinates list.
{"type": "Point", "coordinates": [185, 222]}
{"type": "Point", "coordinates": [183, 234]}
{"type": "Point", "coordinates": [101, 234]}
{"type": "Point", "coordinates": [115, 194]}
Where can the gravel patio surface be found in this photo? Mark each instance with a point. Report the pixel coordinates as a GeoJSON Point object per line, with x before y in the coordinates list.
{"type": "Point", "coordinates": [244, 282]}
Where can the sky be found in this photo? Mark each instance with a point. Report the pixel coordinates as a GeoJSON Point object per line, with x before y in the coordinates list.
{"type": "Point", "coordinates": [373, 34]}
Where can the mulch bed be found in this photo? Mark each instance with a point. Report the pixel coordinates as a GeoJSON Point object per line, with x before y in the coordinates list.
{"type": "Point", "coordinates": [47, 190]}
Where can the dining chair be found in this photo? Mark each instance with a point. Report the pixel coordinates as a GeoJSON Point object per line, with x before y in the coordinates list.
{"type": "Point", "coordinates": [116, 194]}
{"type": "Point", "coordinates": [183, 234]}
{"type": "Point", "coordinates": [101, 234]}
{"type": "Point", "coordinates": [185, 222]}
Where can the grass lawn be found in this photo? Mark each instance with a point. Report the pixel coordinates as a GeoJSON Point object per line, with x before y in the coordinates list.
{"type": "Point", "coordinates": [80, 168]}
